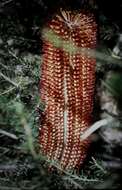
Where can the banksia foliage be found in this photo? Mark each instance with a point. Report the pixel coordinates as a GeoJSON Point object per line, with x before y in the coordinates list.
{"type": "Point", "coordinates": [67, 88]}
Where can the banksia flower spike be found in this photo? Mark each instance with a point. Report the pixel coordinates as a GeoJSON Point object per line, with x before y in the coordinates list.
{"type": "Point", "coordinates": [67, 86]}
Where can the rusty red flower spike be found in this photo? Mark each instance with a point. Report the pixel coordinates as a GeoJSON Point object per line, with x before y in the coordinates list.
{"type": "Point", "coordinates": [67, 88]}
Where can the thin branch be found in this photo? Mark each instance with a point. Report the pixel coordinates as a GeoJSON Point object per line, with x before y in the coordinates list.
{"type": "Point", "coordinates": [94, 127]}
{"type": "Point", "coordinates": [98, 165]}
{"type": "Point", "coordinates": [8, 134]}
{"type": "Point", "coordinates": [6, 2]}
{"type": "Point", "coordinates": [3, 179]}
{"type": "Point", "coordinates": [14, 166]}
{"type": "Point", "coordinates": [8, 79]}
{"type": "Point", "coordinates": [76, 184]}
{"type": "Point", "coordinates": [5, 67]}
{"type": "Point", "coordinates": [8, 188]}
{"type": "Point", "coordinates": [7, 91]}
{"type": "Point", "coordinates": [73, 176]}
{"type": "Point", "coordinates": [14, 56]}
{"type": "Point", "coordinates": [23, 39]}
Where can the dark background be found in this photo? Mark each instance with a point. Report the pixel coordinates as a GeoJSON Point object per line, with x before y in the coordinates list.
{"type": "Point", "coordinates": [21, 23]}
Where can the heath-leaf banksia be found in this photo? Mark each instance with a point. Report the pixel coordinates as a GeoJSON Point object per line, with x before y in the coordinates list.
{"type": "Point", "coordinates": [67, 86]}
